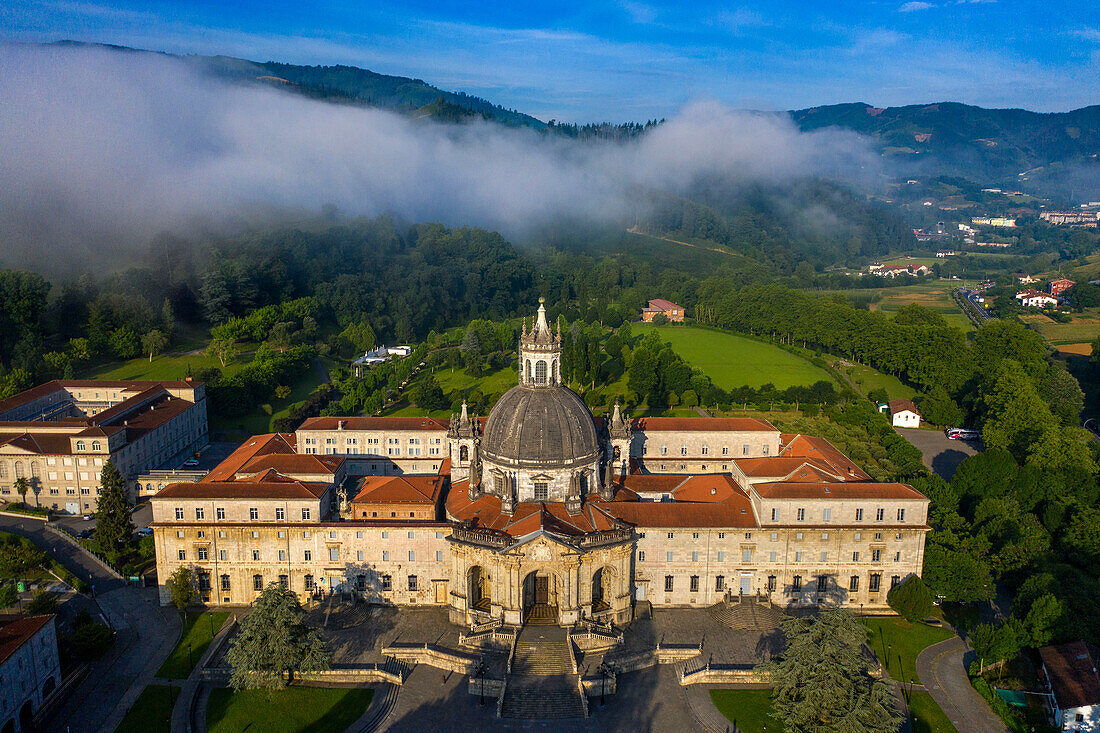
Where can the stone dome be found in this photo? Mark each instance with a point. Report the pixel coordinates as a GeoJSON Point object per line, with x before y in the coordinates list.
{"type": "Point", "coordinates": [540, 427]}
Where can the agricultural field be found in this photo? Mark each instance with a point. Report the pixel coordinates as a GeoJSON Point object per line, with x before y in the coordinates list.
{"type": "Point", "coordinates": [1084, 328]}
{"type": "Point", "coordinates": [935, 296]}
{"type": "Point", "coordinates": [736, 361]}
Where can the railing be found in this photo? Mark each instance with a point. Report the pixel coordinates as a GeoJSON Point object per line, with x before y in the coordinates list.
{"type": "Point", "coordinates": [493, 623]}
{"type": "Point", "coordinates": [76, 543]}
{"type": "Point", "coordinates": [607, 537]}
{"type": "Point", "coordinates": [584, 697]}
{"type": "Point", "coordinates": [503, 689]}
{"type": "Point", "coordinates": [431, 655]}
{"type": "Point", "coordinates": [504, 635]}
{"type": "Point", "coordinates": [512, 652]}
{"type": "Point", "coordinates": [572, 655]}
{"type": "Point", "coordinates": [729, 674]}
{"type": "Point", "coordinates": [481, 537]}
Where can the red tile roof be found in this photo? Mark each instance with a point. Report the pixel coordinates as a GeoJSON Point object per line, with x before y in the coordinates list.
{"type": "Point", "coordinates": [705, 424]}
{"type": "Point", "coordinates": [15, 631]}
{"type": "Point", "coordinates": [897, 406]}
{"type": "Point", "coordinates": [484, 513]}
{"type": "Point", "coordinates": [790, 468]}
{"type": "Point", "coordinates": [375, 423]}
{"type": "Point", "coordinates": [810, 446]}
{"type": "Point", "coordinates": [257, 445]}
{"type": "Point", "coordinates": [825, 490]}
{"type": "Point", "coordinates": [403, 489]}
{"type": "Point", "coordinates": [46, 388]}
{"type": "Point", "coordinates": [1072, 672]}
{"type": "Point", "coordinates": [268, 485]}
{"type": "Point", "coordinates": [287, 463]}
{"type": "Point", "coordinates": [663, 305]}
{"type": "Point", "coordinates": [734, 512]}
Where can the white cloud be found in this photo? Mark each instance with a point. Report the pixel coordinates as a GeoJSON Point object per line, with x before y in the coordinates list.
{"type": "Point", "coordinates": [909, 7]}
{"type": "Point", "coordinates": [1088, 34]}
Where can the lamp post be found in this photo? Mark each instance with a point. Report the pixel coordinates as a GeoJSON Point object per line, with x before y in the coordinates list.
{"type": "Point", "coordinates": [190, 664]}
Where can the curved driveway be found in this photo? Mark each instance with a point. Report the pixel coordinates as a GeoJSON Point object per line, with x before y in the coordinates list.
{"type": "Point", "coordinates": [942, 670]}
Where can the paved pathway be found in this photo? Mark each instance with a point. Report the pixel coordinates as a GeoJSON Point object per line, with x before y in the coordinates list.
{"type": "Point", "coordinates": [942, 669]}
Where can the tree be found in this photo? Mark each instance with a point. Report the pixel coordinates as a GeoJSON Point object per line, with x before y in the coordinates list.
{"type": "Point", "coordinates": [938, 408]}
{"type": "Point", "coordinates": [821, 683]}
{"type": "Point", "coordinates": [154, 342]}
{"type": "Point", "coordinates": [1063, 392]}
{"type": "Point", "coordinates": [660, 319]}
{"type": "Point", "coordinates": [124, 343]}
{"type": "Point", "coordinates": [274, 640]}
{"type": "Point", "coordinates": [1016, 416]}
{"type": "Point", "coordinates": [957, 575]}
{"type": "Point", "coordinates": [167, 317]}
{"type": "Point", "coordinates": [1041, 620]}
{"type": "Point", "coordinates": [910, 598]}
{"type": "Point", "coordinates": [181, 589]}
{"type": "Point", "coordinates": [8, 595]}
{"type": "Point", "coordinates": [224, 349]}
{"type": "Point", "coordinates": [427, 394]}
{"type": "Point", "coordinates": [113, 524]}
{"type": "Point", "coordinates": [22, 486]}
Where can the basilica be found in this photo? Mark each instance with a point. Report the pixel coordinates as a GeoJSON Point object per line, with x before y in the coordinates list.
{"type": "Point", "coordinates": [542, 512]}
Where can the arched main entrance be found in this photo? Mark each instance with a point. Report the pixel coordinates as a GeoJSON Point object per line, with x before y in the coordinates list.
{"type": "Point", "coordinates": [478, 589]}
{"type": "Point", "coordinates": [26, 716]}
{"type": "Point", "coordinates": [540, 598]}
{"type": "Point", "coordinates": [603, 589]}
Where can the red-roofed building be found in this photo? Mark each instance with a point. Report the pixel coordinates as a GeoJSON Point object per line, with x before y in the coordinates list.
{"type": "Point", "coordinates": [29, 668]}
{"type": "Point", "coordinates": [1060, 285]}
{"type": "Point", "coordinates": [904, 414]}
{"type": "Point", "coordinates": [1071, 675]}
{"type": "Point", "coordinates": [659, 306]}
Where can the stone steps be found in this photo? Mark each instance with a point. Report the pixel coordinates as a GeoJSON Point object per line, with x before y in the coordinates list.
{"type": "Point", "coordinates": [747, 614]}
{"type": "Point", "coordinates": [541, 685]}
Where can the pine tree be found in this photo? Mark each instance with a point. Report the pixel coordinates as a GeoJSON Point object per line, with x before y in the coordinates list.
{"type": "Point", "coordinates": [273, 640]}
{"type": "Point", "coordinates": [910, 598]}
{"type": "Point", "coordinates": [113, 525]}
{"type": "Point", "coordinates": [821, 683]}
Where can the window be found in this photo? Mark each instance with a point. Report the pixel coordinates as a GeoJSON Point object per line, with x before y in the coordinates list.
{"type": "Point", "coordinates": [725, 450]}
{"type": "Point", "coordinates": [798, 535]}
{"type": "Point", "coordinates": [853, 584]}
{"type": "Point", "coordinates": [683, 450]}
{"type": "Point", "coordinates": [96, 446]}
{"type": "Point", "coordinates": [796, 583]}
{"type": "Point", "coordinates": [897, 557]}
{"type": "Point", "coordinates": [668, 556]}
{"type": "Point", "coordinates": [764, 450]}
{"type": "Point", "coordinates": [694, 535]}
{"type": "Point", "coordinates": [664, 450]}
{"type": "Point", "coordinates": [282, 555]}
{"type": "Point", "coordinates": [79, 446]}
{"type": "Point", "coordinates": [182, 554]}
{"type": "Point", "coordinates": [801, 514]}
{"type": "Point", "coordinates": [775, 536]}
{"type": "Point", "coordinates": [284, 581]}
{"type": "Point", "coordinates": [200, 513]}
{"type": "Point", "coordinates": [412, 578]}
{"type": "Point", "coordinates": [202, 553]}
{"type": "Point", "coordinates": [771, 583]}
{"type": "Point", "coordinates": [179, 512]}
{"type": "Point", "coordinates": [257, 582]}
{"type": "Point", "coordinates": [874, 582]}
{"type": "Point", "coordinates": [542, 491]}
{"type": "Point", "coordinates": [798, 557]}
{"type": "Point", "coordinates": [880, 514]}
{"type": "Point", "coordinates": [859, 515]}
{"type": "Point", "coordinates": [219, 513]}
{"type": "Point", "coordinates": [745, 449]}
{"type": "Point", "coordinates": [540, 372]}
{"type": "Point", "coordinates": [824, 557]}
{"type": "Point", "coordinates": [204, 581]}
{"type": "Point", "coordinates": [641, 555]}
{"type": "Point", "coordinates": [721, 556]}
{"type": "Point", "coordinates": [771, 556]}
{"type": "Point", "coordinates": [858, 536]}
{"type": "Point", "coordinates": [387, 582]}
{"type": "Point", "coordinates": [253, 513]}
{"type": "Point", "coordinates": [855, 556]}
{"type": "Point", "coordinates": [704, 450]}
{"type": "Point", "coordinates": [719, 583]}
{"type": "Point", "coordinates": [280, 513]}
{"type": "Point", "coordinates": [695, 557]}
{"type": "Point", "coordinates": [668, 584]}
{"type": "Point", "coordinates": [694, 584]}
{"type": "Point", "coordinates": [746, 554]}
{"type": "Point", "coordinates": [333, 554]}
{"type": "Point", "coordinates": [412, 555]}
{"type": "Point", "coordinates": [360, 583]}
{"type": "Point", "coordinates": [385, 555]}
{"type": "Point", "coordinates": [385, 535]}
{"type": "Point", "coordinates": [305, 513]}
{"type": "Point", "coordinates": [359, 556]}
{"type": "Point", "coordinates": [775, 514]}
{"type": "Point", "coordinates": [412, 535]}
{"type": "Point", "coordinates": [826, 514]}
{"type": "Point", "coordinates": [309, 582]}
{"type": "Point", "coordinates": [439, 555]}
{"type": "Point", "coordinates": [878, 535]}
{"type": "Point", "coordinates": [224, 584]}
{"type": "Point", "coordinates": [901, 515]}
{"type": "Point", "coordinates": [256, 555]}
{"type": "Point", "coordinates": [876, 555]}
{"type": "Point", "coordinates": [894, 580]}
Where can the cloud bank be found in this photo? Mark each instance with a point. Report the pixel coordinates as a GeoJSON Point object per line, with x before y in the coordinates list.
{"type": "Point", "coordinates": [101, 151]}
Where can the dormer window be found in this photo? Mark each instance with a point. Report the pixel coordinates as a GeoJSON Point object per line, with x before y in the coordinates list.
{"type": "Point", "coordinates": [80, 445]}
{"type": "Point", "coordinates": [96, 445]}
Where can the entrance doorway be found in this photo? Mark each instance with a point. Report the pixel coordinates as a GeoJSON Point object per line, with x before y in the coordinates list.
{"type": "Point", "coordinates": [540, 594]}
{"type": "Point", "coordinates": [478, 591]}
{"type": "Point", "coordinates": [746, 585]}
{"type": "Point", "coordinates": [601, 590]}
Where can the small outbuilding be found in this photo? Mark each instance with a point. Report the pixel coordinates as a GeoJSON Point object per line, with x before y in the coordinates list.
{"type": "Point", "coordinates": [904, 414]}
{"type": "Point", "coordinates": [1071, 674]}
{"type": "Point", "coordinates": [658, 306]}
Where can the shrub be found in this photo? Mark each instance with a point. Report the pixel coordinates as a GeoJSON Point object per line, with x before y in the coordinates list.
{"type": "Point", "coordinates": [44, 602]}
{"type": "Point", "coordinates": [910, 598]}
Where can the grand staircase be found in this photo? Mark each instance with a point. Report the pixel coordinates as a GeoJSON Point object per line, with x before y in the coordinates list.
{"type": "Point", "coordinates": [542, 685]}
{"type": "Point", "coordinates": [746, 612]}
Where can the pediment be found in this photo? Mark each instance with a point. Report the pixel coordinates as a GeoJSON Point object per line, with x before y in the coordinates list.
{"type": "Point", "coordinates": [541, 546]}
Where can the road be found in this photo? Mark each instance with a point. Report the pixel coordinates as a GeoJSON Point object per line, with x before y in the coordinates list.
{"type": "Point", "coordinates": [942, 670]}
{"type": "Point", "coordinates": [940, 453]}
{"type": "Point", "coordinates": [145, 635]}
{"type": "Point", "coordinates": [968, 300]}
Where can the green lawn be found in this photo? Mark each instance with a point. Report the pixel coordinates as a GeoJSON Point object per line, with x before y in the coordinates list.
{"type": "Point", "coordinates": [313, 709]}
{"type": "Point", "coordinates": [927, 716]}
{"type": "Point", "coordinates": [166, 367]}
{"type": "Point", "coordinates": [736, 361]}
{"type": "Point", "coordinates": [868, 379]}
{"type": "Point", "coordinates": [749, 710]}
{"type": "Point", "coordinates": [151, 712]}
{"type": "Point", "coordinates": [452, 381]}
{"type": "Point", "coordinates": [900, 640]}
{"type": "Point", "coordinates": [196, 633]}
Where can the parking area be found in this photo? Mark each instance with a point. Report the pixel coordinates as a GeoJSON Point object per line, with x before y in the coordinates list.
{"type": "Point", "coordinates": [940, 453]}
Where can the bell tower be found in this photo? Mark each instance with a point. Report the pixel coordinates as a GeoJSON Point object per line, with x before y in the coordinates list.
{"type": "Point", "coordinates": [540, 353]}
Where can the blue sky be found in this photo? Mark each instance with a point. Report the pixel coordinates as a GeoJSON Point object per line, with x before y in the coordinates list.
{"type": "Point", "coordinates": [635, 59]}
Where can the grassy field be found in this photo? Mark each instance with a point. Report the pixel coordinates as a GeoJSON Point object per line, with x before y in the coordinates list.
{"type": "Point", "coordinates": [749, 710]}
{"type": "Point", "coordinates": [901, 641]}
{"type": "Point", "coordinates": [735, 361]}
{"type": "Point", "coordinates": [868, 379]}
{"type": "Point", "coordinates": [151, 712]}
{"type": "Point", "coordinates": [166, 366]}
{"type": "Point", "coordinates": [313, 709]}
{"type": "Point", "coordinates": [927, 716]}
{"type": "Point", "coordinates": [197, 636]}
{"type": "Point", "coordinates": [1084, 327]}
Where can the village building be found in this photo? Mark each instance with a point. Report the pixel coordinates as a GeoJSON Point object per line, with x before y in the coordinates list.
{"type": "Point", "coordinates": [542, 512]}
{"type": "Point", "coordinates": [59, 435]}
{"type": "Point", "coordinates": [1070, 671]}
{"type": "Point", "coordinates": [29, 669]}
{"type": "Point", "coordinates": [1060, 285]}
{"type": "Point", "coordinates": [1032, 298]}
{"type": "Point", "coordinates": [903, 413]}
{"type": "Point", "coordinates": [663, 307]}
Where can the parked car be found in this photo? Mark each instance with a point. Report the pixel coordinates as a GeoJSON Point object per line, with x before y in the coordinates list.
{"type": "Point", "coordinates": [86, 533]}
{"type": "Point", "coordinates": [144, 532]}
{"type": "Point", "coordinates": [191, 463]}
{"type": "Point", "coordinates": [962, 434]}
{"type": "Point", "coordinates": [88, 517]}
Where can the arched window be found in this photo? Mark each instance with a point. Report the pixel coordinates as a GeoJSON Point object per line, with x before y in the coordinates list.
{"type": "Point", "coordinates": [540, 372]}
{"type": "Point", "coordinates": [80, 445]}
{"type": "Point", "coordinates": [19, 469]}
{"type": "Point", "coordinates": [95, 445]}
{"type": "Point", "coordinates": [528, 371]}
{"type": "Point", "coordinates": [584, 483]}
{"type": "Point", "coordinates": [34, 469]}
{"type": "Point", "coordinates": [554, 371]}
{"type": "Point", "coordinates": [464, 453]}
{"type": "Point", "coordinates": [3, 470]}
